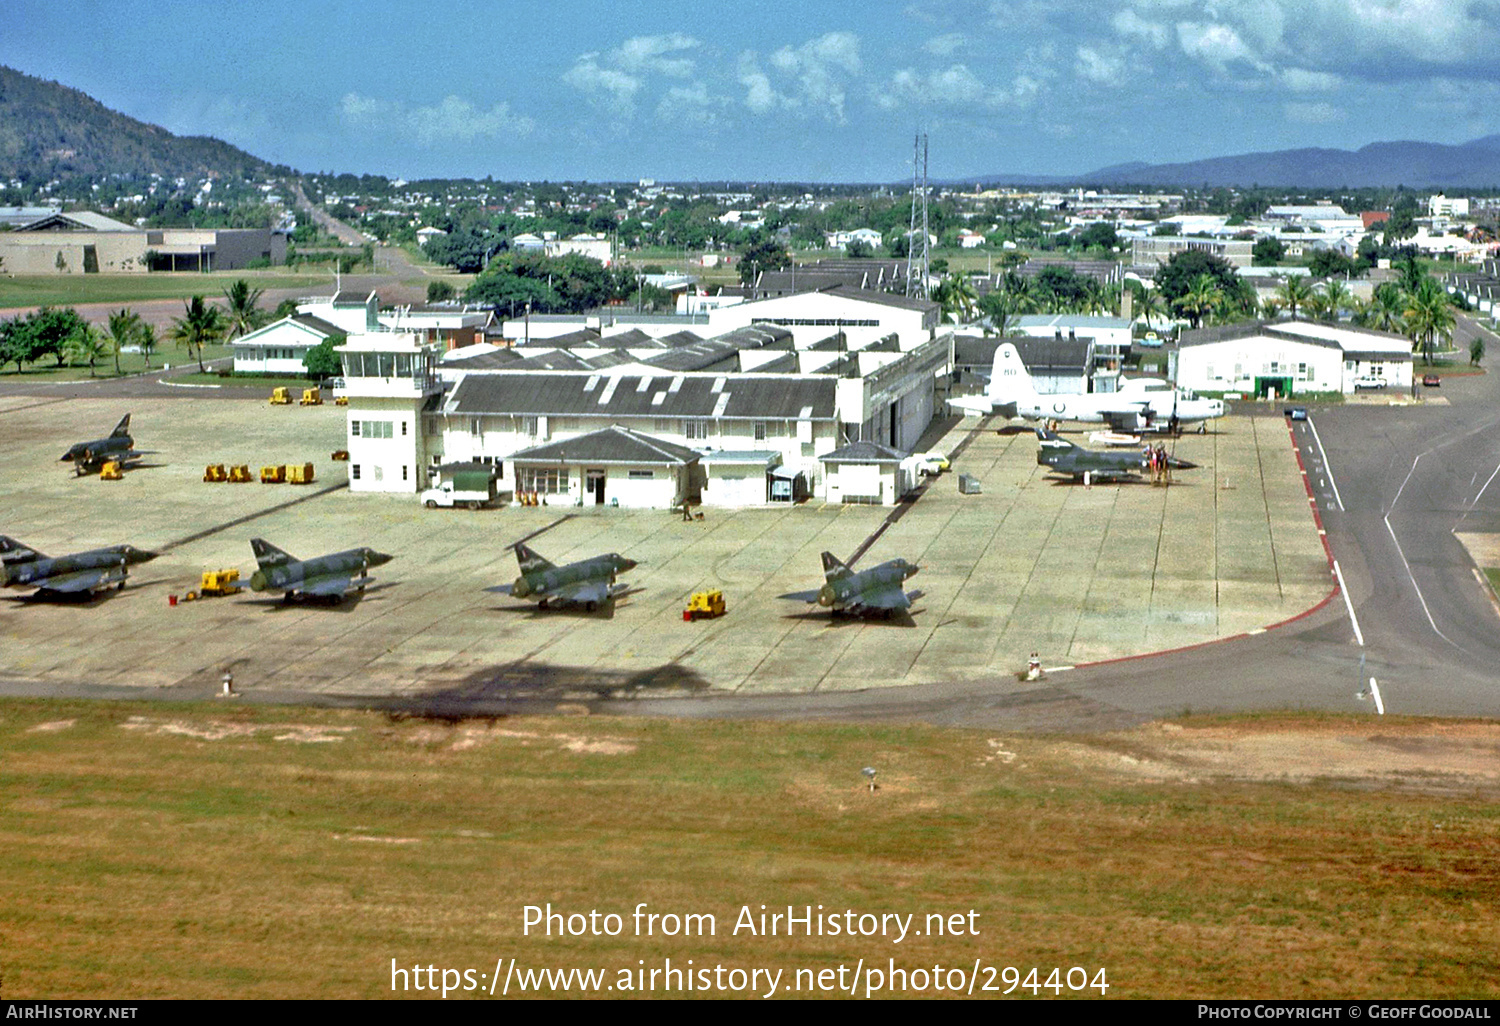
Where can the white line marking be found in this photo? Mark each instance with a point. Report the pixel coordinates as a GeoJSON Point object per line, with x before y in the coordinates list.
{"type": "Point", "coordinates": [1344, 591]}
{"type": "Point", "coordinates": [1486, 485]}
{"type": "Point", "coordinates": [1379, 702]}
{"type": "Point", "coordinates": [1326, 465]}
{"type": "Point", "coordinates": [1055, 669]}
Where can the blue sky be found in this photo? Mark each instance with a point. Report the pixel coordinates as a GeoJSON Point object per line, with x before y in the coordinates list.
{"type": "Point", "coordinates": [811, 91]}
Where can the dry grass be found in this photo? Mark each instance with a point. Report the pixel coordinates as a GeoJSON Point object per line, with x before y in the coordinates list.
{"type": "Point", "coordinates": [154, 850]}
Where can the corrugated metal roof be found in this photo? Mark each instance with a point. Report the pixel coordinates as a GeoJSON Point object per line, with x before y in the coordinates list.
{"type": "Point", "coordinates": [560, 394]}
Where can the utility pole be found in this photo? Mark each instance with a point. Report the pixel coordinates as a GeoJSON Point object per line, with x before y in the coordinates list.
{"type": "Point", "coordinates": [917, 267]}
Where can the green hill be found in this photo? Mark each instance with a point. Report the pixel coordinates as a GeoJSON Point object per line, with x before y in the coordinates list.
{"type": "Point", "coordinates": [48, 130]}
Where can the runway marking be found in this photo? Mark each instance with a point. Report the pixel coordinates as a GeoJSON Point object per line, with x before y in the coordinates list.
{"type": "Point", "coordinates": [1402, 553]}
{"type": "Point", "coordinates": [1344, 591]}
{"type": "Point", "coordinates": [1326, 465]}
{"type": "Point", "coordinates": [1379, 702]}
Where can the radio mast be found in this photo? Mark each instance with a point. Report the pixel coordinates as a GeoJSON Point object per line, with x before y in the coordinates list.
{"type": "Point", "coordinates": [918, 254]}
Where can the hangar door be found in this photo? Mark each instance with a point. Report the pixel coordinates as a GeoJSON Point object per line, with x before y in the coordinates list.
{"type": "Point", "coordinates": [910, 417]}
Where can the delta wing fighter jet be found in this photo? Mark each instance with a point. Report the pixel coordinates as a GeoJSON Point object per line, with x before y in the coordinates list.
{"type": "Point", "coordinates": [322, 577]}
{"type": "Point", "coordinates": [876, 590]}
{"type": "Point", "coordinates": [1138, 406]}
{"type": "Point", "coordinates": [1063, 457]}
{"type": "Point", "coordinates": [588, 582]}
{"type": "Point", "coordinates": [88, 457]}
{"type": "Point", "coordinates": [25, 567]}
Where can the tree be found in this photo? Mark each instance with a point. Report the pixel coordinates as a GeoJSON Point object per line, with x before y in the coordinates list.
{"type": "Point", "coordinates": [321, 361]}
{"type": "Point", "coordinates": [1337, 298]}
{"type": "Point", "coordinates": [86, 345]}
{"type": "Point", "coordinates": [1476, 351]}
{"type": "Point", "coordinates": [1175, 278]}
{"type": "Point", "coordinates": [1099, 235]}
{"type": "Point", "coordinates": [1429, 316]}
{"type": "Point", "coordinates": [243, 315]}
{"type": "Point", "coordinates": [147, 341]}
{"type": "Point", "coordinates": [1203, 297]}
{"type": "Point", "coordinates": [1387, 308]}
{"type": "Point", "coordinates": [1330, 263]}
{"type": "Point", "coordinates": [1268, 251]}
{"type": "Point", "coordinates": [957, 298]}
{"type": "Point", "coordinates": [125, 329]}
{"type": "Point", "coordinates": [858, 248]}
{"type": "Point", "coordinates": [1294, 292]}
{"type": "Point", "coordinates": [440, 291]}
{"type": "Point", "coordinates": [767, 255]}
{"type": "Point", "coordinates": [201, 325]}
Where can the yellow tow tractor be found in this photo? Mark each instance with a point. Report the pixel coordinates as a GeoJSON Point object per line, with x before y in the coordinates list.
{"type": "Point", "coordinates": [311, 397]}
{"type": "Point", "coordinates": [704, 605]}
{"type": "Point", "coordinates": [215, 582]}
{"type": "Point", "coordinates": [280, 396]}
{"type": "Point", "coordinates": [111, 471]}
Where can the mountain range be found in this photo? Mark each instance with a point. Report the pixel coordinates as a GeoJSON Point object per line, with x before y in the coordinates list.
{"type": "Point", "coordinates": [1473, 165]}
{"type": "Point", "coordinates": [48, 131]}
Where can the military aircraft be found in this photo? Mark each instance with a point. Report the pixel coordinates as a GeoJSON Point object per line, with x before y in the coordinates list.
{"type": "Point", "coordinates": [25, 567]}
{"type": "Point", "coordinates": [321, 577]}
{"type": "Point", "coordinates": [587, 582]}
{"type": "Point", "coordinates": [877, 589]}
{"type": "Point", "coordinates": [1139, 405]}
{"type": "Point", "coordinates": [1063, 457]}
{"type": "Point", "coordinates": [88, 457]}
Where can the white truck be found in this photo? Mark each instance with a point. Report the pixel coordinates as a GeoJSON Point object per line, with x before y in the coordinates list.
{"type": "Point", "coordinates": [471, 489]}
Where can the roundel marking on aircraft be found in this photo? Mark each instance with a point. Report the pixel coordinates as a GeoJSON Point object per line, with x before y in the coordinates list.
{"type": "Point", "coordinates": [1059, 407]}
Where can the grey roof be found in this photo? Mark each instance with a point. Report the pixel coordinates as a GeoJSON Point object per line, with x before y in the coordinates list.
{"type": "Point", "coordinates": [883, 298]}
{"type": "Point", "coordinates": [863, 452]}
{"type": "Point", "coordinates": [634, 338]}
{"type": "Point", "coordinates": [562, 394]}
{"type": "Point", "coordinates": [555, 359]}
{"type": "Point", "coordinates": [317, 324]}
{"type": "Point", "coordinates": [348, 298]}
{"type": "Point", "coordinates": [721, 351]}
{"type": "Point", "coordinates": [1229, 333]}
{"type": "Point", "coordinates": [679, 338]}
{"type": "Point", "coordinates": [780, 283]}
{"type": "Point", "coordinates": [484, 361]}
{"type": "Point", "coordinates": [581, 337]}
{"type": "Point", "coordinates": [1050, 356]}
{"type": "Point", "coordinates": [786, 363]}
{"type": "Point", "coordinates": [614, 444]}
{"type": "Point", "coordinates": [754, 457]}
{"type": "Point", "coordinates": [77, 220]}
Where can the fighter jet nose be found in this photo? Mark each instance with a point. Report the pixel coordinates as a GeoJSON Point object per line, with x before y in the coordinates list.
{"type": "Point", "coordinates": [378, 558]}
{"type": "Point", "coordinates": [145, 557]}
{"type": "Point", "coordinates": [628, 564]}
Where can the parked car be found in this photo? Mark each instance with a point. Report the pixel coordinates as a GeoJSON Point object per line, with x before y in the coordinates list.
{"type": "Point", "coordinates": [1431, 381]}
{"type": "Point", "coordinates": [928, 464]}
{"type": "Point", "coordinates": [1365, 381]}
{"type": "Point", "coordinates": [1295, 412]}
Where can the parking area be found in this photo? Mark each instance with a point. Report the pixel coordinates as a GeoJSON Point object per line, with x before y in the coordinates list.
{"type": "Point", "coordinates": [1031, 564]}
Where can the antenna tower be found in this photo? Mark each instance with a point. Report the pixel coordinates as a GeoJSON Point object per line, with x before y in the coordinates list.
{"type": "Point", "coordinates": [918, 251]}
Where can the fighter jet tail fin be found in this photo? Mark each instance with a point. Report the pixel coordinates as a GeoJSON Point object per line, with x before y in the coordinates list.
{"type": "Point", "coordinates": [832, 568]}
{"type": "Point", "coordinates": [12, 551]}
{"type": "Point", "coordinates": [268, 555]}
{"type": "Point", "coordinates": [530, 560]}
{"type": "Point", "coordinates": [122, 429]}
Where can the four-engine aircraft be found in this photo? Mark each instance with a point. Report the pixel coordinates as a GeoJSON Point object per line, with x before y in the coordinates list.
{"type": "Point", "coordinates": [322, 577]}
{"type": "Point", "coordinates": [1136, 407]}
{"type": "Point", "coordinates": [88, 457]}
{"type": "Point", "coordinates": [877, 589]}
{"type": "Point", "coordinates": [588, 582]}
{"type": "Point", "coordinates": [25, 567]}
{"type": "Point", "coordinates": [1063, 457]}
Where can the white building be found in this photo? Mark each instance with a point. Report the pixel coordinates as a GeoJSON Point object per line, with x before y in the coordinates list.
{"type": "Point", "coordinates": [1291, 357]}
{"type": "Point", "coordinates": [596, 247]}
{"type": "Point", "coordinates": [389, 379]}
{"type": "Point", "coordinates": [615, 466]}
{"type": "Point", "coordinates": [861, 315]}
{"type": "Point", "coordinates": [280, 347]}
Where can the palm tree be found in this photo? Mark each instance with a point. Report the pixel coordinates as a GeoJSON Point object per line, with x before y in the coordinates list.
{"type": "Point", "coordinates": [1294, 292]}
{"type": "Point", "coordinates": [1387, 309]}
{"type": "Point", "coordinates": [1148, 303]}
{"type": "Point", "coordinates": [202, 325]}
{"type": "Point", "coordinates": [243, 316]}
{"type": "Point", "coordinates": [1429, 315]}
{"type": "Point", "coordinates": [1202, 298]}
{"type": "Point", "coordinates": [1337, 298]}
{"type": "Point", "coordinates": [147, 341]}
{"type": "Point", "coordinates": [1270, 309]}
{"type": "Point", "coordinates": [86, 345]}
{"type": "Point", "coordinates": [124, 330]}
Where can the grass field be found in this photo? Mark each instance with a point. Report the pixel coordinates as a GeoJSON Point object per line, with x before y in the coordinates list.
{"type": "Point", "coordinates": [228, 850]}
{"type": "Point", "coordinates": [24, 290]}
{"type": "Point", "coordinates": [130, 363]}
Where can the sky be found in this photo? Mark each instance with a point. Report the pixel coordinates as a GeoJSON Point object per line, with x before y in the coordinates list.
{"type": "Point", "coordinates": [815, 91]}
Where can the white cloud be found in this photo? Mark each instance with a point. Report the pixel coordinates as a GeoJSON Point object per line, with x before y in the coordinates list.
{"type": "Point", "coordinates": [1130, 24]}
{"type": "Point", "coordinates": [693, 105]}
{"type": "Point", "coordinates": [955, 86]}
{"type": "Point", "coordinates": [760, 96]}
{"type": "Point", "coordinates": [1312, 113]}
{"type": "Point", "coordinates": [1215, 45]}
{"type": "Point", "coordinates": [946, 45]}
{"type": "Point", "coordinates": [611, 87]}
{"type": "Point", "coordinates": [655, 53]}
{"type": "Point", "coordinates": [454, 119]}
{"type": "Point", "coordinates": [1097, 66]}
{"type": "Point", "coordinates": [821, 68]}
{"type": "Point", "coordinates": [1300, 80]}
